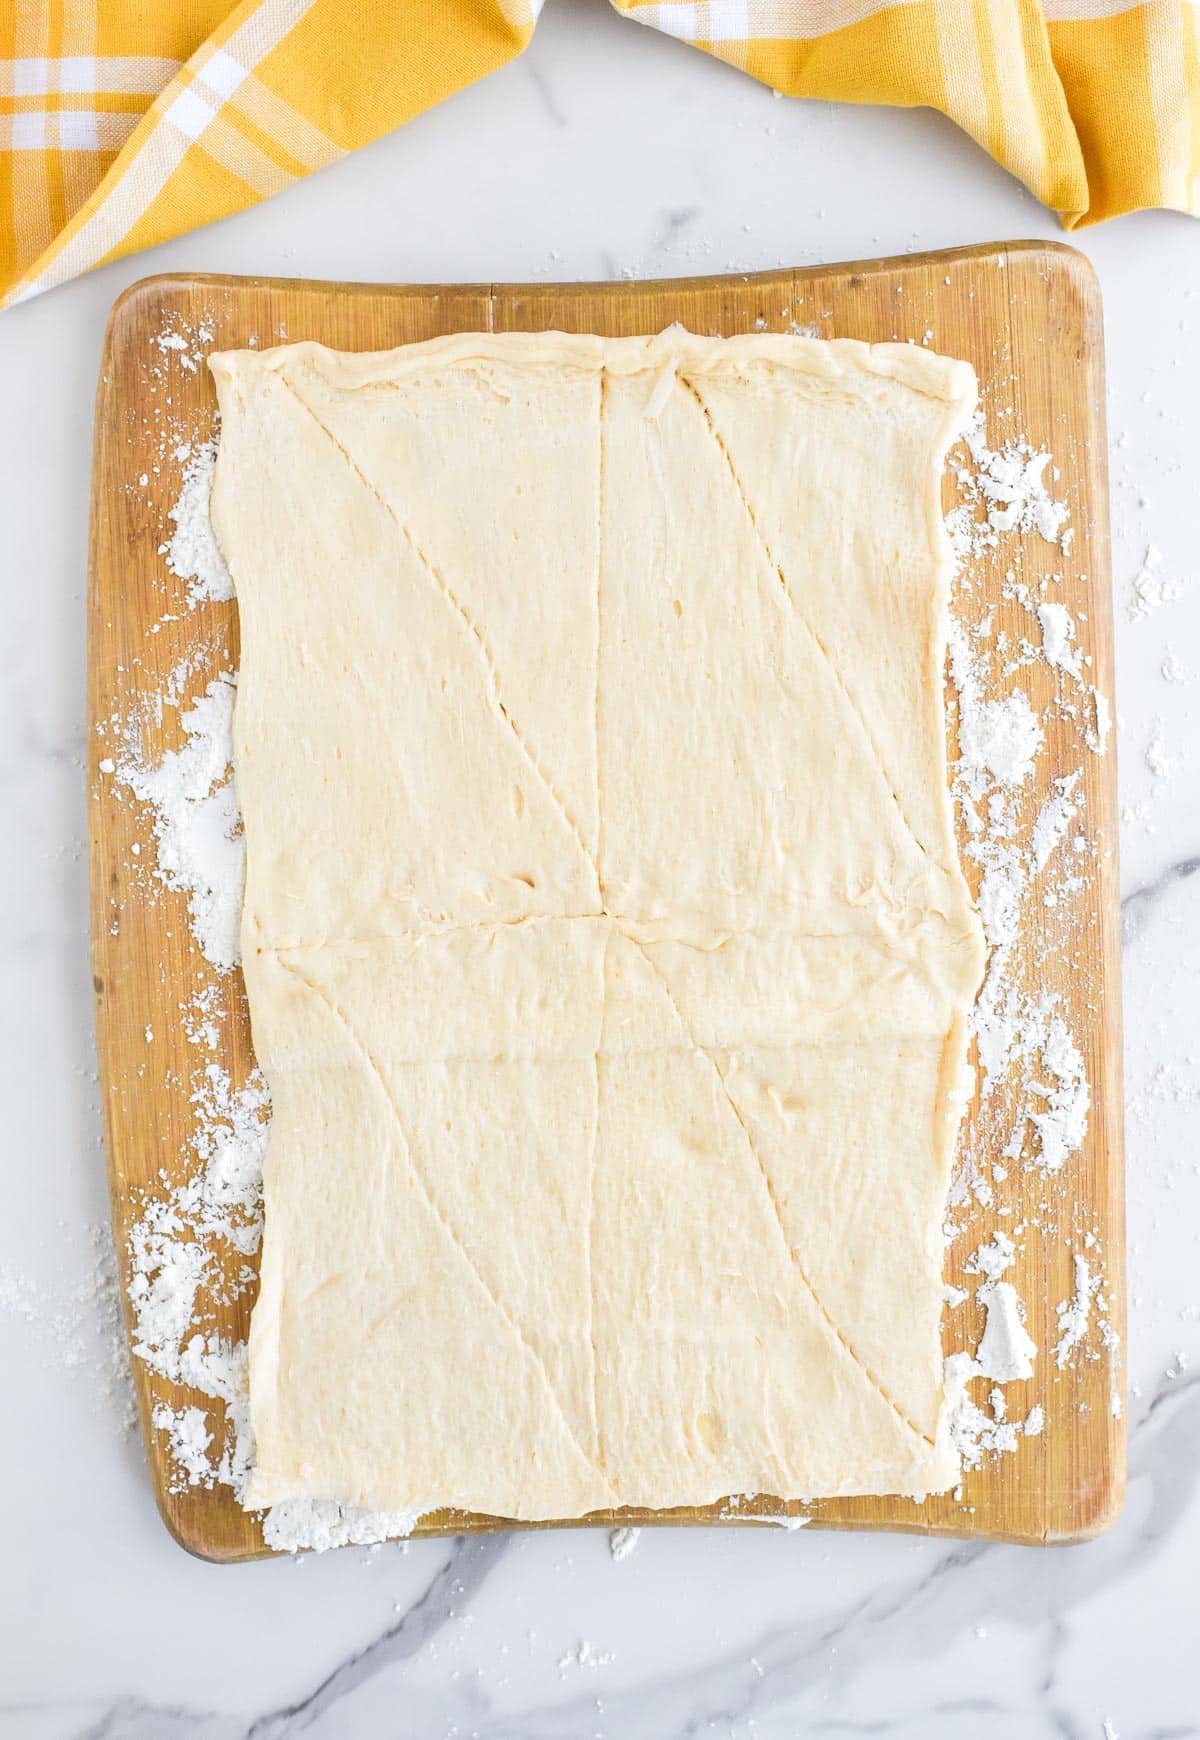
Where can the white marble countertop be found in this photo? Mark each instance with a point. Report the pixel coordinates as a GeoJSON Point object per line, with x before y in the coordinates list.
{"type": "Point", "coordinates": [605, 150]}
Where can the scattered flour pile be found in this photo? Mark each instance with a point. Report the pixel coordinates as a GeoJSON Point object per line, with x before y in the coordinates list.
{"type": "Point", "coordinates": [1074, 1313]}
{"type": "Point", "coordinates": [1005, 1354]}
{"type": "Point", "coordinates": [1150, 588]}
{"type": "Point", "coordinates": [191, 551]}
{"type": "Point", "coordinates": [78, 1327]}
{"type": "Point", "coordinates": [177, 1248]}
{"type": "Point", "coordinates": [623, 1542]}
{"type": "Point", "coordinates": [317, 1525]}
{"type": "Point", "coordinates": [999, 739]}
{"type": "Point", "coordinates": [197, 825]}
{"type": "Point", "coordinates": [1029, 848]}
{"type": "Point", "coordinates": [1003, 490]}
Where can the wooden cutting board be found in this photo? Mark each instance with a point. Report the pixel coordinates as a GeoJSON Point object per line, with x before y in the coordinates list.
{"type": "Point", "coordinates": [1028, 317]}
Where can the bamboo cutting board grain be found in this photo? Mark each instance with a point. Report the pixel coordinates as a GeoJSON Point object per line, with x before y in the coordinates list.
{"type": "Point", "coordinates": [1027, 316]}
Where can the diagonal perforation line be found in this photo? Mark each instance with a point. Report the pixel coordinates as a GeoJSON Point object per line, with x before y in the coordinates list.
{"type": "Point", "coordinates": [769, 1187]}
{"type": "Point", "coordinates": [468, 622]}
{"type": "Point", "coordinates": [593, 1157]}
{"type": "Point", "coordinates": [443, 1219]}
{"type": "Point", "coordinates": [831, 663]}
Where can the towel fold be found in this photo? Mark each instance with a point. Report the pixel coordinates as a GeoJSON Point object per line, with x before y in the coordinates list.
{"type": "Point", "coordinates": [122, 124]}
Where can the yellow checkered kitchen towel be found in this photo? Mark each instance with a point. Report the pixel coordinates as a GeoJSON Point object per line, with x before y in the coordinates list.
{"type": "Point", "coordinates": [123, 122]}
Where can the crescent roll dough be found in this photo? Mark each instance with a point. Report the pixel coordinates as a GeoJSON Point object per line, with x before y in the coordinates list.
{"type": "Point", "coordinates": [607, 948]}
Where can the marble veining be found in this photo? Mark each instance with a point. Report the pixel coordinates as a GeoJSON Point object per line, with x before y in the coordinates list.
{"type": "Point", "coordinates": [1139, 904]}
{"type": "Point", "coordinates": [968, 1588]}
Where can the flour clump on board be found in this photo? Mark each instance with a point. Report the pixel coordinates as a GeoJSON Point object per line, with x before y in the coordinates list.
{"type": "Point", "coordinates": [1004, 490]}
{"type": "Point", "coordinates": [191, 551]}
{"type": "Point", "coordinates": [1007, 1350]}
{"type": "Point", "coordinates": [197, 825]}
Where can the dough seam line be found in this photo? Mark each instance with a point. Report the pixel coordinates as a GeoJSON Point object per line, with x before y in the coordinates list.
{"type": "Point", "coordinates": [592, 1157]}
{"type": "Point", "coordinates": [601, 391]}
{"type": "Point", "coordinates": [425, 931]}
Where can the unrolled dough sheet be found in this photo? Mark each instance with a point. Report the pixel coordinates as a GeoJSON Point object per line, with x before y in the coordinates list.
{"type": "Point", "coordinates": [607, 948]}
